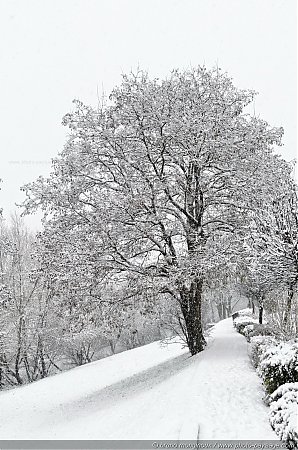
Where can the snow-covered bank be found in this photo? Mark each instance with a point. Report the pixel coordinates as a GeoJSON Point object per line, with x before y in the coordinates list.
{"type": "Point", "coordinates": [150, 392]}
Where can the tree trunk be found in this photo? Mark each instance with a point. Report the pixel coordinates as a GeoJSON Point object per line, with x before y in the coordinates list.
{"type": "Point", "coordinates": [212, 312]}
{"type": "Point", "coordinates": [43, 369]}
{"type": "Point", "coordinates": [224, 311]}
{"type": "Point", "coordinates": [288, 305]}
{"type": "Point", "coordinates": [191, 297]}
{"type": "Point", "coordinates": [191, 302]}
{"type": "Point", "coordinates": [229, 307]}
{"type": "Point", "coordinates": [251, 304]}
{"type": "Point", "coordinates": [261, 309]}
{"type": "Point", "coordinates": [220, 310]}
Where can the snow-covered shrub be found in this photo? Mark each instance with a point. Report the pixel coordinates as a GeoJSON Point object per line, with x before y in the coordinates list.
{"type": "Point", "coordinates": [243, 321]}
{"type": "Point", "coordinates": [283, 415]}
{"type": "Point", "coordinates": [259, 344]}
{"type": "Point", "coordinates": [242, 312]}
{"type": "Point", "coordinates": [245, 312]}
{"type": "Point", "coordinates": [258, 329]}
{"type": "Point", "coordinates": [279, 365]}
{"type": "Point", "coordinates": [247, 330]}
{"type": "Point", "coordinates": [234, 315]}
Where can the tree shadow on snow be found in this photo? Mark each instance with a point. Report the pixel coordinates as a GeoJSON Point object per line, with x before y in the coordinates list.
{"type": "Point", "coordinates": [131, 386]}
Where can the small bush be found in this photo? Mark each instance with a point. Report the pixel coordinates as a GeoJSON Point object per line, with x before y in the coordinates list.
{"type": "Point", "coordinates": [245, 312]}
{"type": "Point", "coordinates": [259, 344]}
{"type": "Point", "coordinates": [234, 315]}
{"type": "Point", "coordinates": [247, 330]}
{"type": "Point", "coordinates": [258, 329]}
{"type": "Point", "coordinates": [279, 365]}
{"type": "Point", "coordinates": [283, 413]}
{"type": "Point", "coordinates": [243, 321]}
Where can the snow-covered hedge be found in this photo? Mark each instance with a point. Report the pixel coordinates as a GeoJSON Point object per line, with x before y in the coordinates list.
{"type": "Point", "coordinates": [245, 312]}
{"type": "Point", "coordinates": [259, 345]}
{"type": "Point", "coordinates": [242, 321]}
{"type": "Point", "coordinates": [283, 414]}
{"type": "Point", "coordinates": [279, 365]}
{"type": "Point", "coordinates": [257, 329]}
{"type": "Point", "coordinates": [242, 312]}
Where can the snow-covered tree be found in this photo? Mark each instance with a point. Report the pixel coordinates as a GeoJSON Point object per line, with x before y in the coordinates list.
{"type": "Point", "coordinates": [148, 187]}
{"type": "Point", "coordinates": [28, 333]}
{"type": "Point", "coordinates": [273, 244]}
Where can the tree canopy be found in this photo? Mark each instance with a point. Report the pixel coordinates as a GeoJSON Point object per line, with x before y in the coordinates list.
{"type": "Point", "coordinates": [158, 189]}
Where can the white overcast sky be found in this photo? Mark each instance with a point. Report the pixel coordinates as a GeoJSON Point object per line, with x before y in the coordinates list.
{"type": "Point", "coordinates": [52, 51]}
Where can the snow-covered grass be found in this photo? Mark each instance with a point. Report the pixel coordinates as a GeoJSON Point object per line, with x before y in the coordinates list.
{"type": "Point", "coordinates": [151, 392]}
{"type": "Point", "coordinates": [283, 414]}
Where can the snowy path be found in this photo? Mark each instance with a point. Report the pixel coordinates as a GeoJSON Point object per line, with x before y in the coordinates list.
{"type": "Point", "coordinates": [146, 393]}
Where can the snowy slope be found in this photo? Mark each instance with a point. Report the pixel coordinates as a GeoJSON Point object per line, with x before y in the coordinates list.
{"type": "Point", "coordinates": [151, 392]}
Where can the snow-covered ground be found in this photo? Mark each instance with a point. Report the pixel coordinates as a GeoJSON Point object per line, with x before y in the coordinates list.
{"type": "Point", "coordinates": [151, 392]}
